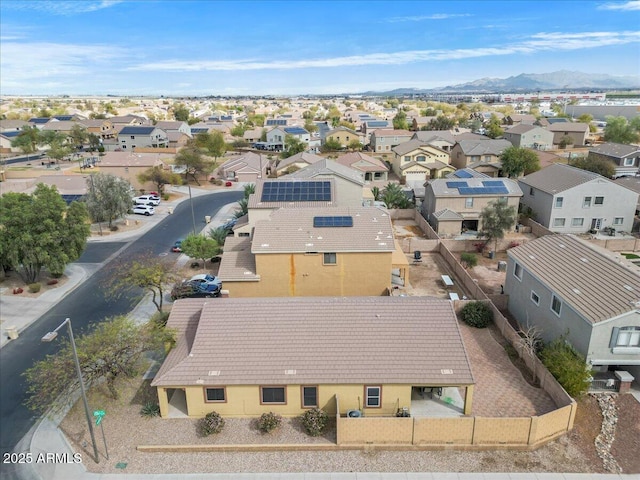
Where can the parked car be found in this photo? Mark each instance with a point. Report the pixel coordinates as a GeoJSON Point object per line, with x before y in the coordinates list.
{"type": "Point", "coordinates": [229, 224]}
{"type": "Point", "coordinates": [147, 200]}
{"type": "Point", "coordinates": [144, 210]}
{"type": "Point", "coordinates": [177, 247]}
{"type": "Point", "coordinates": [206, 282]}
{"type": "Point", "coordinates": [191, 290]}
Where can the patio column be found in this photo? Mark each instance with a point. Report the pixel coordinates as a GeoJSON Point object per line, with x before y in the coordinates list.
{"type": "Point", "coordinates": [163, 402]}
{"type": "Point", "coordinates": [468, 399]}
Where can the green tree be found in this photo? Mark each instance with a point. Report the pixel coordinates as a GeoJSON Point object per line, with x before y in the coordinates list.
{"type": "Point", "coordinates": [567, 366]}
{"type": "Point", "coordinates": [78, 135]}
{"type": "Point", "coordinates": [440, 123]}
{"type": "Point", "coordinates": [331, 145]}
{"type": "Point", "coordinates": [243, 208]}
{"type": "Point", "coordinates": [565, 141]}
{"type": "Point", "coordinates": [603, 167]}
{"type": "Point", "coordinates": [191, 159]}
{"type": "Point", "coordinates": [400, 121]}
{"type": "Point", "coordinates": [149, 272]}
{"type": "Point", "coordinates": [108, 197]}
{"type": "Point", "coordinates": [39, 230]}
{"type": "Point", "coordinates": [619, 130]}
{"type": "Point", "coordinates": [94, 142]}
{"type": "Point", "coordinates": [518, 160]}
{"type": "Point", "coordinates": [180, 112]}
{"type": "Point", "coordinates": [375, 192]}
{"type": "Point", "coordinates": [219, 235]}
{"type": "Point", "coordinates": [494, 130]}
{"type": "Point", "coordinates": [249, 189]}
{"type": "Point", "coordinates": [159, 177]}
{"type": "Point", "coordinates": [355, 145]}
{"type": "Point", "coordinates": [112, 350]}
{"type": "Point", "coordinates": [292, 146]}
{"type": "Point", "coordinates": [58, 152]}
{"type": "Point", "coordinates": [496, 218]}
{"type": "Point", "coordinates": [216, 146]}
{"type": "Point", "coordinates": [393, 196]}
{"type": "Point", "coordinates": [27, 140]}
{"type": "Point", "coordinates": [238, 130]}
{"type": "Point", "coordinates": [200, 247]}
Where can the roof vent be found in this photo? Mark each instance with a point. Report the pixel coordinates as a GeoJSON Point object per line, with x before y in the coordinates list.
{"type": "Point", "coordinates": [576, 291]}
{"type": "Point", "coordinates": [382, 244]}
{"type": "Point", "coordinates": [318, 238]}
{"type": "Point", "coordinates": [308, 244]}
{"type": "Point", "coordinates": [561, 245]}
{"type": "Point", "coordinates": [199, 381]}
{"type": "Point", "coordinates": [446, 371]}
{"type": "Point", "coordinates": [264, 245]}
{"type": "Point", "coordinates": [532, 257]}
{"type": "Point", "coordinates": [629, 287]}
{"type": "Point", "coordinates": [585, 260]}
{"type": "Point", "coordinates": [375, 219]}
{"type": "Point", "coordinates": [214, 373]}
{"type": "Point", "coordinates": [289, 372]}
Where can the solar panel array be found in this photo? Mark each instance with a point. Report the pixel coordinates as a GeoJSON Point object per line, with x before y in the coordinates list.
{"type": "Point", "coordinates": [493, 183]}
{"type": "Point", "coordinates": [295, 130]}
{"type": "Point", "coordinates": [71, 198]}
{"type": "Point", "coordinates": [462, 174]}
{"type": "Point", "coordinates": [333, 221]}
{"type": "Point", "coordinates": [308, 191]}
{"type": "Point", "coordinates": [456, 184]}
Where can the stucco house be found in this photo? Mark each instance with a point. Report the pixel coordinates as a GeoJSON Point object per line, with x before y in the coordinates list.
{"type": "Point", "coordinates": [482, 155]}
{"type": "Point", "coordinates": [5, 141]}
{"type": "Point", "coordinates": [626, 158]}
{"type": "Point", "coordinates": [131, 137]}
{"type": "Point", "coordinates": [567, 287]}
{"type": "Point", "coordinates": [297, 252]}
{"type": "Point", "coordinates": [384, 139]}
{"type": "Point", "coordinates": [278, 135]}
{"type": "Point", "coordinates": [103, 128]}
{"type": "Point", "coordinates": [297, 161]}
{"type": "Point", "coordinates": [244, 357]}
{"type": "Point", "coordinates": [566, 199]}
{"type": "Point", "coordinates": [417, 161]}
{"type": "Point", "coordinates": [344, 136]}
{"type": "Point", "coordinates": [454, 206]}
{"type": "Point", "coordinates": [248, 167]}
{"type": "Point", "coordinates": [175, 126]}
{"type": "Point", "coordinates": [129, 165]}
{"type": "Point", "coordinates": [372, 168]}
{"type": "Point", "coordinates": [579, 132]}
{"type": "Point", "coordinates": [529, 136]}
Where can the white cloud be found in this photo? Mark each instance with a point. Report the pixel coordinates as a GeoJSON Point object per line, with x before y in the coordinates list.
{"type": "Point", "coordinates": [420, 18]}
{"type": "Point", "coordinates": [62, 7]}
{"type": "Point", "coordinates": [537, 43]}
{"type": "Point", "coordinates": [626, 6]}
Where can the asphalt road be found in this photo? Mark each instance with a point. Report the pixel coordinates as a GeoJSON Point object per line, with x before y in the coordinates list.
{"type": "Point", "coordinates": [87, 304]}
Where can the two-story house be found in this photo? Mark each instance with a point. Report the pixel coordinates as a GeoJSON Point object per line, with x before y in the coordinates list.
{"type": "Point", "coordinates": [567, 287]}
{"type": "Point", "coordinates": [335, 251]}
{"type": "Point", "coordinates": [481, 155]}
{"type": "Point", "coordinates": [384, 139]}
{"type": "Point", "coordinates": [566, 199]}
{"type": "Point", "coordinates": [372, 168]}
{"type": "Point", "coordinates": [344, 136]}
{"type": "Point", "coordinates": [278, 135]}
{"type": "Point", "coordinates": [452, 206]}
{"type": "Point", "coordinates": [416, 161]}
{"type": "Point", "coordinates": [626, 158]}
{"type": "Point", "coordinates": [103, 128]}
{"type": "Point", "coordinates": [131, 137]}
{"type": "Point", "coordinates": [529, 136]}
{"type": "Point", "coordinates": [579, 132]}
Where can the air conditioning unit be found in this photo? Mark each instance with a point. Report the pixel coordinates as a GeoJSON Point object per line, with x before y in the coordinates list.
{"type": "Point", "coordinates": [354, 413]}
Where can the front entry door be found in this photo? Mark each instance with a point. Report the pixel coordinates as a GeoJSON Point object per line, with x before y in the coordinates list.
{"type": "Point", "coordinates": [596, 224]}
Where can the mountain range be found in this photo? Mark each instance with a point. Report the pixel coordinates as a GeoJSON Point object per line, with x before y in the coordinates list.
{"type": "Point", "coordinates": [531, 82]}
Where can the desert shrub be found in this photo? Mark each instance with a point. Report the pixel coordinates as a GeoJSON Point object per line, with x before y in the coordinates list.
{"type": "Point", "coordinates": [469, 259]}
{"type": "Point", "coordinates": [315, 421]}
{"type": "Point", "coordinates": [269, 422]}
{"type": "Point", "coordinates": [150, 409]}
{"type": "Point", "coordinates": [34, 287]}
{"type": "Point", "coordinates": [160, 318]}
{"type": "Point", "coordinates": [211, 423]}
{"type": "Point", "coordinates": [56, 274]}
{"type": "Point", "coordinates": [113, 228]}
{"type": "Point", "coordinates": [567, 366]}
{"type": "Point", "coordinates": [476, 314]}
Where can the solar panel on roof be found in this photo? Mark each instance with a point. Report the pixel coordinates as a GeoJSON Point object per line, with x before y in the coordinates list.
{"type": "Point", "coordinates": [483, 190]}
{"type": "Point", "coordinates": [342, 221]}
{"type": "Point", "coordinates": [493, 183]}
{"type": "Point", "coordinates": [307, 191]}
{"type": "Point", "coordinates": [462, 174]}
{"type": "Point", "coordinates": [456, 184]}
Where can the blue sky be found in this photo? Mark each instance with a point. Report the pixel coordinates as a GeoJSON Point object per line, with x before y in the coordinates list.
{"type": "Point", "coordinates": [149, 47]}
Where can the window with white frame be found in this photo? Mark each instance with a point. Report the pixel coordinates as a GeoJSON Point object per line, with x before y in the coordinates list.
{"type": "Point", "coordinates": [558, 222]}
{"type": "Point", "coordinates": [535, 298]}
{"type": "Point", "coordinates": [618, 220]}
{"type": "Point", "coordinates": [599, 201]}
{"type": "Point", "coordinates": [517, 271]}
{"type": "Point", "coordinates": [586, 203]}
{"type": "Point", "coordinates": [577, 222]}
{"type": "Point", "coordinates": [559, 201]}
{"type": "Point", "coordinates": [407, 158]}
{"type": "Point", "coordinates": [373, 397]}
{"type": "Point", "coordinates": [628, 162]}
{"type": "Point", "coordinates": [556, 305]}
{"type": "Point", "coordinates": [626, 337]}
{"type": "Point", "coordinates": [468, 202]}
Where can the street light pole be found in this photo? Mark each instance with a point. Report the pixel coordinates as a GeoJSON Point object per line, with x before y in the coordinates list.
{"type": "Point", "coordinates": [193, 217]}
{"type": "Point", "coordinates": [50, 337]}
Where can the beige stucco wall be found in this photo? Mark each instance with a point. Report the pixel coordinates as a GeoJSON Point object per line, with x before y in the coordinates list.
{"type": "Point", "coordinates": [449, 227]}
{"type": "Point", "coordinates": [300, 275]}
{"type": "Point", "coordinates": [457, 204]}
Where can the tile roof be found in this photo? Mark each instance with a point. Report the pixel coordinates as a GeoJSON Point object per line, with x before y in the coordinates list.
{"type": "Point", "coordinates": [427, 136]}
{"type": "Point", "coordinates": [256, 202]}
{"type": "Point", "coordinates": [441, 189]}
{"type": "Point", "coordinates": [558, 177]}
{"type": "Point", "coordinates": [484, 147]}
{"type": "Point", "coordinates": [374, 164]}
{"type": "Point", "coordinates": [248, 162]}
{"type": "Point", "coordinates": [291, 230]}
{"type": "Point", "coordinates": [354, 340]}
{"type": "Point", "coordinates": [568, 127]}
{"type": "Point", "coordinates": [325, 167]}
{"type": "Point", "coordinates": [617, 150]}
{"type": "Point", "coordinates": [521, 128]}
{"type": "Point", "coordinates": [590, 282]}
{"type": "Point", "coordinates": [470, 171]}
{"type": "Point", "coordinates": [390, 132]}
{"type": "Point", "coordinates": [446, 214]}
{"type": "Point", "coordinates": [238, 263]}
{"type": "Point", "coordinates": [302, 157]}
